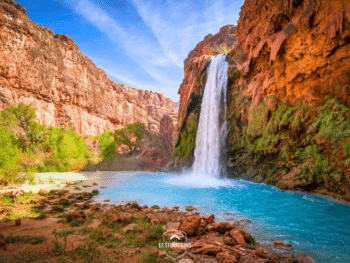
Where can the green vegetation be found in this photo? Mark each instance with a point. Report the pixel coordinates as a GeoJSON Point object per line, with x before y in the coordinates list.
{"type": "Point", "coordinates": [9, 151]}
{"type": "Point", "coordinates": [131, 136]}
{"type": "Point", "coordinates": [24, 239]}
{"type": "Point", "coordinates": [50, 149]}
{"type": "Point", "coordinates": [234, 74]}
{"type": "Point", "coordinates": [222, 49]}
{"type": "Point", "coordinates": [187, 137]}
{"type": "Point", "coordinates": [296, 145]}
{"type": "Point", "coordinates": [149, 258]}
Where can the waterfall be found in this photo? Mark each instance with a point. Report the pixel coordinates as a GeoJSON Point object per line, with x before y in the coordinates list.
{"type": "Point", "coordinates": [212, 127]}
{"type": "Point", "coordinates": [212, 131]}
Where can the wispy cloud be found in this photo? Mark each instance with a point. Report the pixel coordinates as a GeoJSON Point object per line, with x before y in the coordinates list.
{"type": "Point", "coordinates": [180, 26]}
{"type": "Point", "coordinates": [174, 29]}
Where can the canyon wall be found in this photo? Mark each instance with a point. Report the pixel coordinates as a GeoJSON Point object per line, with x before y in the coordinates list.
{"type": "Point", "coordinates": [66, 87]}
{"type": "Point", "coordinates": [288, 95]}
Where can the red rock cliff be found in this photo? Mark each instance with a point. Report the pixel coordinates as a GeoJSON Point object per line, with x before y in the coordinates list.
{"type": "Point", "coordinates": [297, 50]}
{"type": "Point", "coordinates": [284, 130]}
{"type": "Point", "coordinates": [64, 85]}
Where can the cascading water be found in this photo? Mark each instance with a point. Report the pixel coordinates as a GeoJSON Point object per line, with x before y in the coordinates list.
{"type": "Point", "coordinates": [212, 127]}
{"type": "Point", "coordinates": [212, 131]}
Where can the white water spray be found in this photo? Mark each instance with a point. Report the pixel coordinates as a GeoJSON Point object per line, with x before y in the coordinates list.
{"type": "Point", "coordinates": [212, 130]}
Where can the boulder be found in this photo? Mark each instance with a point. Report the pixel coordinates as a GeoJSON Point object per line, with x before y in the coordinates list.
{"type": "Point", "coordinates": [225, 257]}
{"type": "Point", "coordinates": [94, 207]}
{"type": "Point", "coordinates": [202, 247]}
{"type": "Point", "coordinates": [116, 218]}
{"type": "Point", "coordinates": [86, 194]}
{"type": "Point", "coordinates": [304, 258]}
{"type": "Point", "coordinates": [222, 227]}
{"type": "Point", "coordinates": [247, 237]}
{"type": "Point", "coordinates": [209, 218]}
{"type": "Point", "coordinates": [75, 215]}
{"type": "Point", "coordinates": [64, 201]}
{"type": "Point", "coordinates": [185, 260]}
{"type": "Point", "coordinates": [136, 206]}
{"type": "Point", "coordinates": [62, 192]}
{"type": "Point", "coordinates": [191, 224]}
{"type": "Point", "coordinates": [130, 228]}
{"type": "Point", "coordinates": [236, 234]}
{"type": "Point", "coordinates": [280, 243]}
{"type": "Point", "coordinates": [260, 252]}
{"type": "Point", "coordinates": [95, 192]}
{"type": "Point", "coordinates": [57, 208]}
{"type": "Point", "coordinates": [229, 241]}
{"type": "Point", "coordinates": [202, 227]}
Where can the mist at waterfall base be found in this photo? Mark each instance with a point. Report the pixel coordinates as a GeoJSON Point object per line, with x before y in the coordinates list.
{"type": "Point", "coordinates": [211, 133]}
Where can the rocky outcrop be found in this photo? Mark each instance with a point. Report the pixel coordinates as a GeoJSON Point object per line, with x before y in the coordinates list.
{"type": "Point", "coordinates": [191, 89]}
{"type": "Point", "coordinates": [295, 50]}
{"type": "Point", "coordinates": [288, 96]}
{"type": "Point", "coordinates": [65, 86]}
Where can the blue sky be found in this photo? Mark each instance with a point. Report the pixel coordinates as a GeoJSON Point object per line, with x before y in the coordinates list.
{"type": "Point", "coordinates": [141, 44]}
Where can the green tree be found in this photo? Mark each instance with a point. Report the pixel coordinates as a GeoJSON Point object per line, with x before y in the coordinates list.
{"type": "Point", "coordinates": [23, 116]}
{"type": "Point", "coordinates": [131, 135]}
{"type": "Point", "coordinates": [107, 145]}
{"type": "Point", "coordinates": [66, 144]}
{"type": "Point", "coordinates": [9, 152]}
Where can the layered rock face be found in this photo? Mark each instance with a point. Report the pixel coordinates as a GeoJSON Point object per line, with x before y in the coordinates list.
{"type": "Point", "coordinates": [65, 86]}
{"type": "Point", "coordinates": [296, 50]}
{"type": "Point", "coordinates": [288, 96]}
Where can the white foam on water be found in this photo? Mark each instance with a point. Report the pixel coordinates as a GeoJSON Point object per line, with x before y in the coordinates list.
{"type": "Point", "coordinates": [200, 181]}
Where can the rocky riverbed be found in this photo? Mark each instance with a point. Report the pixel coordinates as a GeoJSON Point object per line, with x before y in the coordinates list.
{"type": "Point", "coordinates": [66, 225]}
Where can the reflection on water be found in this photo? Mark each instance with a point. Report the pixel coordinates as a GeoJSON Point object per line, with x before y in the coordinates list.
{"type": "Point", "coordinates": [314, 225]}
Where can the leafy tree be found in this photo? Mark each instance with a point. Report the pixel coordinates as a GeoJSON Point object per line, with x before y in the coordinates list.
{"type": "Point", "coordinates": [107, 145]}
{"type": "Point", "coordinates": [8, 120]}
{"type": "Point", "coordinates": [23, 116]}
{"type": "Point", "coordinates": [65, 144]}
{"type": "Point", "coordinates": [9, 152]}
{"type": "Point", "coordinates": [131, 135]}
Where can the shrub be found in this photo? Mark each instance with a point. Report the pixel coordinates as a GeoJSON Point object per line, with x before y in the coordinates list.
{"type": "Point", "coordinates": [222, 49]}
{"type": "Point", "coordinates": [65, 144]}
{"type": "Point", "coordinates": [107, 145]}
{"type": "Point", "coordinates": [9, 152]}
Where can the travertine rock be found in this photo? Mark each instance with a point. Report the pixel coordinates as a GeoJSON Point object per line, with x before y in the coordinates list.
{"type": "Point", "coordinates": [298, 51]}
{"type": "Point", "coordinates": [65, 86]}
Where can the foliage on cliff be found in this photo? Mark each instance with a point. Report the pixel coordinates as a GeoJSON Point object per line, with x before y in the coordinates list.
{"type": "Point", "coordinates": [295, 147]}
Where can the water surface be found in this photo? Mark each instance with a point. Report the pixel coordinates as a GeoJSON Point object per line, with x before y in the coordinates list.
{"type": "Point", "coordinates": [313, 225]}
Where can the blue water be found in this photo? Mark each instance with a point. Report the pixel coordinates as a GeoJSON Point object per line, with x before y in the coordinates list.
{"type": "Point", "coordinates": [314, 225]}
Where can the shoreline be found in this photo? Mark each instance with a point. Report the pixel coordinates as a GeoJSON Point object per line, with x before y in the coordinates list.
{"type": "Point", "coordinates": [207, 238]}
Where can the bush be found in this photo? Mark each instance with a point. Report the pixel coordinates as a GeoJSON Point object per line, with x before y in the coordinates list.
{"type": "Point", "coordinates": [65, 144]}
{"type": "Point", "coordinates": [9, 152]}
{"type": "Point", "coordinates": [107, 145]}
